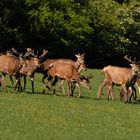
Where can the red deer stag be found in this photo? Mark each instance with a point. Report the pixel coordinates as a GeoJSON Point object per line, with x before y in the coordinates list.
{"type": "Point", "coordinates": [68, 72]}
{"type": "Point", "coordinates": [126, 77]}
{"type": "Point", "coordinates": [32, 63]}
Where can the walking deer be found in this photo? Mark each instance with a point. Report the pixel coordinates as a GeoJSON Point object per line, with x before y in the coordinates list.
{"type": "Point", "coordinates": [79, 64]}
{"type": "Point", "coordinates": [32, 63]}
{"type": "Point", "coordinates": [67, 71]}
{"type": "Point", "coordinates": [125, 77]}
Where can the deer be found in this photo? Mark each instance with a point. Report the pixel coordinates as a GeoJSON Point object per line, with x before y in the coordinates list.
{"type": "Point", "coordinates": [10, 65]}
{"type": "Point", "coordinates": [125, 77]}
{"type": "Point", "coordinates": [129, 85]}
{"type": "Point", "coordinates": [66, 71]}
{"type": "Point", "coordinates": [79, 64]}
{"type": "Point", "coordinates": [32, 63]}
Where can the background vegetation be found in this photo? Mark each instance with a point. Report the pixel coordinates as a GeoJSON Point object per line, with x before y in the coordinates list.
{"type": "Point", "coordinates": [103, 29]}
{"type": "Point", "coordinates": [43, 116]}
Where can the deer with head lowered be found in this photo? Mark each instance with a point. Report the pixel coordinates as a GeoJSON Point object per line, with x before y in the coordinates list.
{"type": "Point", "coordinates": [32, 63]}
{"type": "Point", "coordinates": [125, 77]}
{"type": "Point", "coordinates": [79, 64]}
{"type": "Point", "coordinates": [66, 71]}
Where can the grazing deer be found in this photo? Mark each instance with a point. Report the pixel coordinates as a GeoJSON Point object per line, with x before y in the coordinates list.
{"type": "Point", "coordinates": [126, 77]}
{"type": "Point", "coordinates": [66, 71]}
{"type": "Point", "coordinates": [32, 63]}
{"type": "Point", "coordinates": [79, 64]}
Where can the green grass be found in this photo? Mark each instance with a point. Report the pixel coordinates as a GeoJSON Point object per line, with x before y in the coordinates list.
{"type": "Point", "coordinates": [43, 116]}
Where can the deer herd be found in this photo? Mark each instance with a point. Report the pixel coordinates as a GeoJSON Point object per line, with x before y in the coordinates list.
{"type": "Point", "coordinates": [18, 65]}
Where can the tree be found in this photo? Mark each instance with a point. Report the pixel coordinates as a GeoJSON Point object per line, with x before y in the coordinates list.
{"type": "Point", "coordinates": [100, 28]}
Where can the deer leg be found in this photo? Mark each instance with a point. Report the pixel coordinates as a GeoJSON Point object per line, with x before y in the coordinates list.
{"type": "Point", "coordinates": [52, 87]}
{"type": "Point", "coordinates": [49, 78]}
{"type": "Point", "coordinates": [138, 85]}
{"type": "Point", "coordinates": [79, 90]}
{"type": "Point", "coordinates": [53, 83]}
{"type": "Point", "coordinates": [32, 83]}
{"type": "Point", "coordinates": [73, 87]}
{"type": "Point", "coordinates": [43, 78]}
{"type": "Point", "coordinates": [69, 88]}
{"type": "Point", "coordinates": [135, 93]}
{"type": "Point", "coordinates": [132, 93]}
{"type": "Point", "coordinates": [24, 82]}
{"type": "Point", "coordinates": [12, 81]}
{"type": "Point", "coordinates": [130, 90]}
{"type": "Point", "coordinates": [44, 89]}
{"type": "Point", "coordinates": [62, 86]}
{"type": "Point", "coordinates": [15, 86]}
{"type": "Point", "coordinates": [19, 85]}
{"type": "Point", "coordinates": [110, 91]}
{"type": "Point", "coordinates": [17, 82]}
{"type": "Point", "coordinates": [4, 87]}
{"type": "Point", "coordinates": [124, 89]}
{"type": "Point", "coordinates": [102, 85]}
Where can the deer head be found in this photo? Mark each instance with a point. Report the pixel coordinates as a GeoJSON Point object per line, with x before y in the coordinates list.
{"type": "Point", "coordinates": [134, 65]}
{"type": "Point", "coordinates": [85, 81]}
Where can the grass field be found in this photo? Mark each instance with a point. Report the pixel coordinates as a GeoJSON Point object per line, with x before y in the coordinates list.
{"type": "Point", "coordinates": [46, 117]}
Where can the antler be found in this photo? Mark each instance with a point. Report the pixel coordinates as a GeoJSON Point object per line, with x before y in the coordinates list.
{"type": "Point", "coordinates": [30, 52]}
{"type": "Point", "coordinates": [15, 51]}
{"type": "Point", "coordinates": [43, 54]}
{"type": "Point", "coordinates": [129, 60]}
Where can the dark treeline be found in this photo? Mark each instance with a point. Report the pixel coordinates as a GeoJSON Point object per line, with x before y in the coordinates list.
{"type": "Point", "coordinates": [105, 30]}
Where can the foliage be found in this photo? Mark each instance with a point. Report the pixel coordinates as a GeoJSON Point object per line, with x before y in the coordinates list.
{"type": "Point", "coordinates": [100, 28]}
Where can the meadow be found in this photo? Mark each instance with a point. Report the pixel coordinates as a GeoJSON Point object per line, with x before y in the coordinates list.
{"type": "Point", "coordinates": [43, 116]}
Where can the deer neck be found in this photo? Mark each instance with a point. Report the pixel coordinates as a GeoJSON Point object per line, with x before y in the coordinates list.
{"type": "Point", "coordinates": [79, 66]}
{"type": "Point", "coordinates": [132, 80]}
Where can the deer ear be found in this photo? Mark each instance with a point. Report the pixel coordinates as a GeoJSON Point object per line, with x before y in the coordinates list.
{"type": "Point", "coordinates": [76, 55]}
